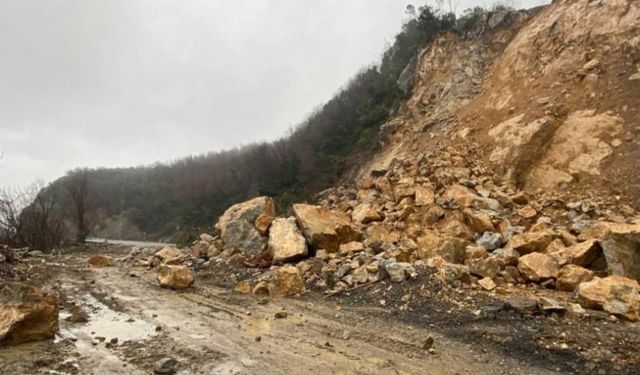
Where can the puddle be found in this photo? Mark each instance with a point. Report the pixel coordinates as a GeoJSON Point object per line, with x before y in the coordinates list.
{"type": "Point", "coordinates": [104, 322]}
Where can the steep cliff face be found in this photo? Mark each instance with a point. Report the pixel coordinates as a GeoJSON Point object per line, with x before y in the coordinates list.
{"type": "Point", "coordinates": [543, 99]}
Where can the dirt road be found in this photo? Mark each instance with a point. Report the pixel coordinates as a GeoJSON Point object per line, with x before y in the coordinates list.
{"type": "Point", "coordinates": [116, 320]}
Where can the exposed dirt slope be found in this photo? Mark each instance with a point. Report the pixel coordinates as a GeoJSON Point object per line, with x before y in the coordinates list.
{"type": "Point", "coordinates": [545, 99]}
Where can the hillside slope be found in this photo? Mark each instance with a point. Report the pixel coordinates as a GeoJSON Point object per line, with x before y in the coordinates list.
{"type": "Point", "coordinates": [558, 109]}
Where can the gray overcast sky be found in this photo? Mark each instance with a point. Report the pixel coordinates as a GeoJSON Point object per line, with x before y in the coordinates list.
{"type": "Point", "coordinates": [129, 82]}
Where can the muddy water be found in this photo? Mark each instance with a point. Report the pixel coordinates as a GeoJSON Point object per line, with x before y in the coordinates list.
{"type": "Point", "coordinates": [105, 323]}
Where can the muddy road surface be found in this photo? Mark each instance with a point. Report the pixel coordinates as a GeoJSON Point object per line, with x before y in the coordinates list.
{"type": "Point", "coordinates": [117, 320]}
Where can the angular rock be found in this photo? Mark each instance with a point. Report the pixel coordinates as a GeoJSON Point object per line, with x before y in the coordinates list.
{"type": "Point", "coordinates": [287, 282]}
{"type": "Point", "coordinates": [424, 196]}
{"type": "Point", "coordinates": [167, 366]}
{"type": "Point", "coordinates": [531, 241]}
{"type": "Point", "coordinates": [200, 249]}
{"type": "Point", "coordinates": [523, 306]}
{"type": "Point", "coordinates": [263, 222]}
{"type": "Point", "coordinates": [243, 287]}
{"type": "Point", "coordinates": [366, 213]}
{"type": "Point", "coordinates": [616, 295]}
{"type": "Point", "coordinates": [351, 247]}
{"type": "Point", "coordinates": [475, 252]}
{"type": "Point", "coordinates": [478, 221]}
{"type": "Point", "coordinates": [206, 237]}
{"type": "Point", "coordinates": [175, 276]}
{"type": "Point", "coordinates": [452, 250]}
{"type": "Point", "coordinates": [168, 253]}
{"type": "Point", "coordinates": [324, 229]}
{"type": "Point", "coordinates": [538, 267]}
{"type": "Point", "coordinates": [490, 240]}
{"type": "Point", "coordinates": [99, 261]}
{"type": "Point", "coordinates": [460, 195]}
{"type": "Point", "coordinates": [484, 267]}
{"type": "Point", "coordinates": [286, 242]}
{"type": "Point", "coordinates": [26, 314]}
{"type": "Point", "coordinates": [398, 271]}
{"type": "Point", "coordinates": [487, 283]}
{"type": "Point", "coordinates": [454, 225]}
{"type": "Point", "coordinates": [506, 257]}
{"type": "Point", "coordinates": [571, 276]}
{"type": "Point", "coordinates": [238, 224]}
{"type": "Point", "coordinates": [621, 247]}
{"type": "Point", "coordinates": [581, 254]}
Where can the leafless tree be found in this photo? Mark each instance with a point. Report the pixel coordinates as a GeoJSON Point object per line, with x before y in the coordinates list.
{"type": "Point", "coordinates": [28, 218]}
{"type": "Point", "coordinates": [77, 190]}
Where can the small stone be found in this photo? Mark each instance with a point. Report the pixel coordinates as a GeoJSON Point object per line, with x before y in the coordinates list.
{"type": "Point", "coordinates": [428, 343]}
{"type": "Point", "coordinates": [166, 366]}
{"type": "Point", "coordinates": [487, 283]}
{"type": "Point", "coordinates": [523, 306]}
{"type": "Point", "coordinates": [281, 315]}
{"type": "Point", "coordinates": [243, 287]}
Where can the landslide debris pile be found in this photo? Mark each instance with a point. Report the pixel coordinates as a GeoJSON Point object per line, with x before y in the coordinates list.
{"type": "Point", "coordinates": [511, 171]}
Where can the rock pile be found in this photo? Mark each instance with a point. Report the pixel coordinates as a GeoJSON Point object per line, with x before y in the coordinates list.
{"type": "Point", "coordinates": [439, 213]}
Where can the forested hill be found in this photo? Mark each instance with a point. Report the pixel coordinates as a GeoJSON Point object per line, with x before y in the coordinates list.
{"type": "Point", "coordinates": [161, 200]}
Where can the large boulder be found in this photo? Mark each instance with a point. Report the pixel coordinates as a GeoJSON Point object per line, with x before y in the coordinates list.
{"type": "Point", "coordinates": [324, 229]}
{"type": "Point", "coordinates": [175, 276]}
{"type": "Point", "coordinates": [287, 282]}
{"type": "Point", "coordinates": [538, 267]}
{"type": "Point", "coordinates": [286, 243]}
{"type": "Point", "coordinates": [26, 314]}
{"type": "Point", "coordinates": [621, 247]}
{"type": "Point", "coordinates": [243, 225]}
{"type": "Point", "coordinates": [614, 294]}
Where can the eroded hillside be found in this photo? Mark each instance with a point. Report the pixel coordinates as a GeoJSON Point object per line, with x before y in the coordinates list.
{"type": "Point", "coordinates": [547, 102]}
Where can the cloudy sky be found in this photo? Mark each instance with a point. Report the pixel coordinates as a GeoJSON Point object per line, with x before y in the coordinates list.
{"type": "Point", "coordinates": [129, 82]}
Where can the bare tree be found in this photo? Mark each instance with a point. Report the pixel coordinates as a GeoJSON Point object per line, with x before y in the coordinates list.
{"type": "Point", "coordinates": [28, 218]}
{"type": "Point", "coordinates": [77, 190]}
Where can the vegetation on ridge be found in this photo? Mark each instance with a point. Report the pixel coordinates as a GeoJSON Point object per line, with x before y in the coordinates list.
{"type": "Point", "coordinates": [165, 199]}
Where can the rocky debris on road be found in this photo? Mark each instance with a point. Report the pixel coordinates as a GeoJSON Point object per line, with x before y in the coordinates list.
{"type": "Point", "coordinates": [27, 314]}
{"type": "Point", "coordinates": [175, 276]}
